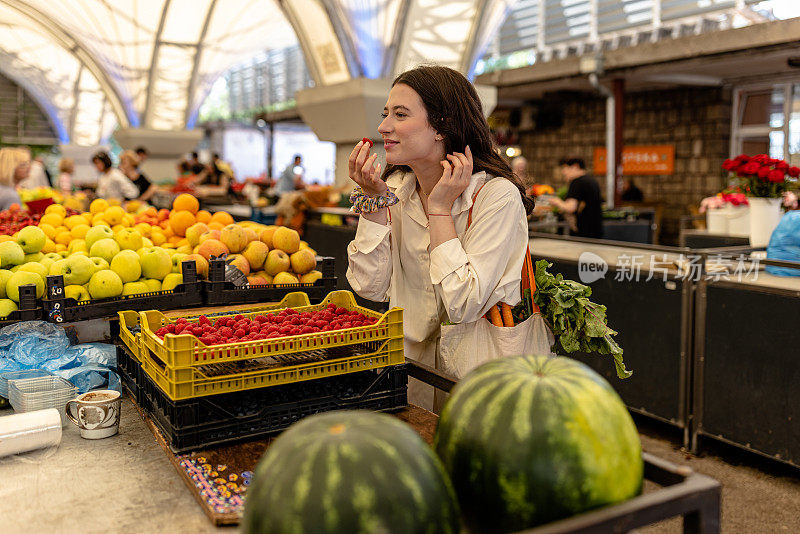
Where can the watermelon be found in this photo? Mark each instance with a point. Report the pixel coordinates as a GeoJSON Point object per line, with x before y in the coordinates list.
{"type": "Point", "coordinates": [350, 472]}
{"type": "Point", "coordinates": [531, 439]}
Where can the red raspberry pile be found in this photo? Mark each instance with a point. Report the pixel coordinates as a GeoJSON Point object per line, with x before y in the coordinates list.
{"type": "Point", "coordinates": [288, 322]}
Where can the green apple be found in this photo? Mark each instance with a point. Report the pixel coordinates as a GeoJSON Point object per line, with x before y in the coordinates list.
{"type": "Point", "coordinates": [77, 245]}
{"type": "Point", "coordinates": [55, 256]}
{"type": "Point", "coordinates": [14, 268]}
{"type": "Point", "coordinates": [47, 262]}
{"type": "Point", "coordinates": [96, 233]}
{"type": "Point", "coordinates": [104, 248]}
{"type": "Point", "coordinates": [31, 239]}
{"type": "Point", "coordinates": [79, 293]}
{"type": "Point", "coordinates": [76, 270]}
{"type": "Point", "coordinates": [37, 268]}
{"type": "Point", "coordinates": [63, 253]}
{"type": "Point", "coordinates": [129, 239]}
{"type": "Point", "coordinates": [177, 261]}
{"type": "Point", "coordinates": [105, 284]}
{"type": "Point", "coordinates": [152, 284]}
{"type": "Point", "coordinates": [170, 251]}
{"type": "Point", "coordinates": [7, 306]}
{"type": "Point", "coordinates": [134, 288]}
{"type": "Point", "coordinates": [126, 265]}
{"type": "Point", "coordinates": [11, 254]}
{"type": "Point", "coordinates": [155, 262]}
{"type": "Point", "coordinates": [23, 278]}
{"type": "Point", "coordinates": [34, 256]}
{"type": "Point", "coordinates": [171, 281]}
{"type": "Point", "coordinates": [4, 276]}
{"type": "Point", "coordinates": [99, 264]}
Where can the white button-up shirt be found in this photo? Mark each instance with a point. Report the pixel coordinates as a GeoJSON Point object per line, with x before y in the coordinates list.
{"type": "Point", "coordinates": [459, 280]}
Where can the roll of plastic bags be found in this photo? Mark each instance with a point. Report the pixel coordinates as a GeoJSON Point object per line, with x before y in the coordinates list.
{"type": "Point", "coordinates": [29, 431]}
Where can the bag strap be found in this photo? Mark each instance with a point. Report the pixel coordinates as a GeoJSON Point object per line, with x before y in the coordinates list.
{"type": "Point", "coordinates": [528, 278]}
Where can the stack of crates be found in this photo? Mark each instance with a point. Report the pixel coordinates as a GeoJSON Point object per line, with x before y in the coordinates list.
{"type": "Point", "coordinates": [200, 395]}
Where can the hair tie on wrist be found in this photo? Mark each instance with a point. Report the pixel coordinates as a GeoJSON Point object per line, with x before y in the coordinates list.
{"type": "Point", "coordinates": [367, 204]}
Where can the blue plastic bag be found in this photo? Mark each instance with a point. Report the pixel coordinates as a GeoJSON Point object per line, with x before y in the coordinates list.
{"type": "Point", "coordinates": [784, 244]}
{"type": "Point", "coordinates": [42, 345]}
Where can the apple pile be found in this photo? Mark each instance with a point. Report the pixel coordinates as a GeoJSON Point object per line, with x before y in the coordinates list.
{"type": "Point", "coordinates": [287, 322]}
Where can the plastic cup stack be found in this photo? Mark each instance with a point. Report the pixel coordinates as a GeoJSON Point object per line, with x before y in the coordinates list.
{"type": "Point", "coordinates": [30, 394]}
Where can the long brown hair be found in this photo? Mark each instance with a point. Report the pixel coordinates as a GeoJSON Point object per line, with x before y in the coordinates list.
{"type": "Point", "coordinates": [455, 112]}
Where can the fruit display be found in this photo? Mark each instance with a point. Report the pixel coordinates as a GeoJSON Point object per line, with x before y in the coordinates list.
{"type": "Point", "coordinates": [350, 472]}
{"type": "Point", "coordinates": [287, 322]}
{"type": "Point", "coordinates": [531, 439]}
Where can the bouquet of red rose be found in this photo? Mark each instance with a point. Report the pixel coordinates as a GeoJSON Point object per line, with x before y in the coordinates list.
{"type": "Point", "coordinates": [761, 175]}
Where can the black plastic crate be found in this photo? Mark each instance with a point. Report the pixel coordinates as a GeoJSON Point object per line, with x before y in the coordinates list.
{"type": "Point", "coordinates": [58, 309]}
{"type": "Point", "coordinates": [218, 291]}
{"type": "Point", "coordinates": [29, 308]}
{"type": "Point", "coordinates": [208, 421]}
{"type": "Point", "coordinates": [130, 373]}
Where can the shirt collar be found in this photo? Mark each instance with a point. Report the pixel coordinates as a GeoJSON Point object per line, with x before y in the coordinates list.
{"type": "Point", "coordinates": [405, 183]}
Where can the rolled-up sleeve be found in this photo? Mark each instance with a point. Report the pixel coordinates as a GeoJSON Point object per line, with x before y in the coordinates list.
{"type": "Point", "coordinates": [485, 266]}
{"type": "Point", "coordinates": [369, 256]}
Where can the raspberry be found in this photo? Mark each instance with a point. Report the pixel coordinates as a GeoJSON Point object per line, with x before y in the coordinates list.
{"type": "Point", "coordinates": [203, 320]}
{"type": "Point", "coordinates": [182, 320]}
{"type": "Point", "coordinates": [341, 311]}
{"type": "Point", "coordinates": [367, 140]}
{"type": "Point", "coordinates": [240, 332]}
{"type": "Point", "coordinates": [261, 319]}
{"type": "Point", "coordinates": [171, 328]}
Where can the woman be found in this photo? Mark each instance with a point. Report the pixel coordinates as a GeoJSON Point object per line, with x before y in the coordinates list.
{"type": "Point", "coordinates": [412, 245]}
{"type": "Point", "coordinates": [111, 182]}
{"type": "Point", "coordinates": [129, 165]}
{"type": "Point", "coordinates": [66, 167]}
{"type": "Point", "coordinates": [15, 166]}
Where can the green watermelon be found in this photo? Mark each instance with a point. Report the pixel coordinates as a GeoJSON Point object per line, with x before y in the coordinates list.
{"type": "Point", "coordinates": [350, 472]}
{"type": "Point", "coordinates": [531, 439]}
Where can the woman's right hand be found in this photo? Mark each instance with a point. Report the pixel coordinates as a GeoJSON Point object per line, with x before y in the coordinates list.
{"type": "Point", "coordinates": [364, 172]}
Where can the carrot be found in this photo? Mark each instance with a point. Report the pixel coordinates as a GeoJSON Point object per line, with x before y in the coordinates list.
{"type": "Point", "coordinates": [508, 318]}
{"type": "Point", "coordinates": [494, 315]}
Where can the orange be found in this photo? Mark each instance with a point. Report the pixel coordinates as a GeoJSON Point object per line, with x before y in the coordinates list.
{"type": "Point", "coordinates": [58, 209]}
{"type": "Point", "coordinates": [222, 217]}
{"type": "Point", "coordinates": [88, 216]}
{"type": "Point", "coordinates": [163, 214]}
{"type": "Point", "coordinates": [214, 225]}
{"type": "Point", "coordinates": [63, 238]}
{"type": "Point", "coordinates": [175, 240]}
{"type": "Point", "coordinates": [185, 202]}
{"type": "Point", "coordinates": [158, 238]}
{"type": "Point", "coordinates": [73, 221]}
{"type": "Point", "coordinates": [79, 231]}
{"type": "Point", "coordinates": [179, 221]}
{"type": "Point", "coordinates": [203, 216]}
{"type": "Point", "coordinates": [114, 215]}
{"type": "Point", "coordinates": [150, 212]}
{"type": "Point", "coordinates": [7, 238]}
{"type": "Point", "coordinates": [53, 219]}
{"type": "Point", "coordinates": [98, 205]}
{"type": "Point", "coordinates": [48, 229]}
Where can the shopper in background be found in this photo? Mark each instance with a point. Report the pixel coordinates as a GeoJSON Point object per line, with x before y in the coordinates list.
{"type": "Point", "coordinates": [631, 193]}
{"type": "Point", "coordinates": [519, 166]}
{"type": "Point", "coordinates": [583, 199]}
{"type": "Point", "coordinates": [142, 153]}
{"type": "Point", "coordinates": [111, 182]}
{"type": "Point", "coordinates": [129, 165]}
{"type": "Point", "coordinates": [15, 165]}
{"type": "Point", "coordinates": [66, 168]}
{"type": "Point", "coordinates": [37, 177]}
{"type": "Point", "coordinates": [194, 162]}
{"type": "Point", "coordinates": [291, 179]}
{"type": "Point", "coordinates": [217, 174]}
{"type": "Point", "coordinates": [412, 245]}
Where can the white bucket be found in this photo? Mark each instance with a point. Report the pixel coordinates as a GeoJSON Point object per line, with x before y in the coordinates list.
{"type": "Point", "coordinates": [765, 214]}
{"type": "Point", "coordinates": [738, 220]}
{"type": "Point", "coordinates": [716, 221]}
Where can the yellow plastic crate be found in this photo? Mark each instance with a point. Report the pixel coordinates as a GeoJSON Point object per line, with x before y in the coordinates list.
{"type": "Point", "coordinates": [131, 319]}
{"type": "Point", "coordinates": [127, 321]}
{"type": "Point", "coordinates": [185, 350]}
{"type": "Point", "coordinates": [191, 382]}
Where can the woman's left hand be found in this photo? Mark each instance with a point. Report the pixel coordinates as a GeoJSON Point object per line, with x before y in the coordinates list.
{"type": "Point", "coordinates": [455, 179]}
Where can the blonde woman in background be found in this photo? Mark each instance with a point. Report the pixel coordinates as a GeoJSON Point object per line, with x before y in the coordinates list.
{"type": "Point", "coordinates": [15, 166]}
{"type": "Point", "coordinates": [129, 162]}
{"type": "Point", "coordinates": [66, 168]}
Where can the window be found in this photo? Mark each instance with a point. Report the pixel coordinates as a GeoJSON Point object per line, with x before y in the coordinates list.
{"type": "Point", "coordinates": [766, 120]}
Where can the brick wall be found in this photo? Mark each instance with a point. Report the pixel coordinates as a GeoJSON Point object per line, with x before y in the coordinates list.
{"type": "Point", "coordinates": [695, 120]}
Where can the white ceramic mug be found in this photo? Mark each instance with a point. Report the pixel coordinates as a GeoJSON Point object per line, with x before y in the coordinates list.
{"type": "Point", "coordinates": [96, 413]}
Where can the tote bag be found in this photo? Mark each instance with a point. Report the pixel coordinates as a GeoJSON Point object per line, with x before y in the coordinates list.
{"type": "Point", "coordinates": [464, 346]}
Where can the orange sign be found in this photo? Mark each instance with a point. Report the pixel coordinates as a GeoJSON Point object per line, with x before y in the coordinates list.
{"type": "Point", "coordinates": [656, 159]}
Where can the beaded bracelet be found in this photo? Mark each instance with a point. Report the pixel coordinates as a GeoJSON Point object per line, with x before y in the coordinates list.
{"type": "Point", "coordinates": [362, 203]}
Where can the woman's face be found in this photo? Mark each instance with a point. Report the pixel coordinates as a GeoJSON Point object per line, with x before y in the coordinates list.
{"type": "Point", "coordinates": [22, 171]}
{"type": "Point", "coordinates": [407, 136]}
{"type": "Point", "coordinates": [99, 165]}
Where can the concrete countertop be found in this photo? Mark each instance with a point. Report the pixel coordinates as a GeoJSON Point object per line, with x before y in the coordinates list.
{"type": "Point", "coordinates": [124, 483]}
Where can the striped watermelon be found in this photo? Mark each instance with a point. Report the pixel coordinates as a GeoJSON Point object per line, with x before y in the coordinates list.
{"type": "Point", "coordinates": [350, 472]}
{"type": "Point", "coordinates": [529, 440]}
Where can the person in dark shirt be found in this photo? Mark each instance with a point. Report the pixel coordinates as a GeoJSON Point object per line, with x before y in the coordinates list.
{"type": "Point", "coordinates": [631, 193]}
{"type": "Point", "coordinates": [583, 199]}
{"type": "Point", "coordinates": [197, 167]}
